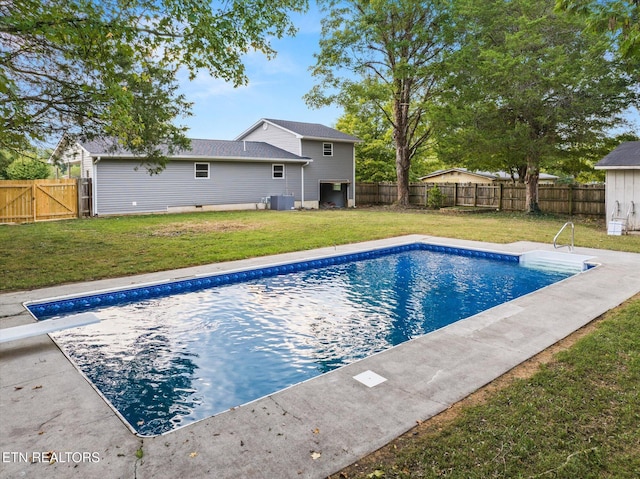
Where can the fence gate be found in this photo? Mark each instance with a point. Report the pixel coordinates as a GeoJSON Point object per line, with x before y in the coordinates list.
{"type": "Point", "coordinates": [23, 201]}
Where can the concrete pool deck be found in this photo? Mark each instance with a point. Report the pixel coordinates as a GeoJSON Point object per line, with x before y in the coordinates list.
{"type": "Point", "coordinates": [310, 430]}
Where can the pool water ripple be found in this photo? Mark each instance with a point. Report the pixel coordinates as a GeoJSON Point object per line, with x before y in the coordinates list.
{"type": "Point", "coordinates": [168, 361]}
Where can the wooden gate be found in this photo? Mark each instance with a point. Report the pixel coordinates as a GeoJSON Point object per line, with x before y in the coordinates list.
{"type": "Point", "coordinates": [23, 201]}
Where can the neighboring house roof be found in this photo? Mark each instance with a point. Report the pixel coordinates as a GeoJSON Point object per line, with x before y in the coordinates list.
{"type": "Point", "coordinates": [308, 131]}
{"type": "Point", "coordinates": [498, 175]}
{"type": "Point", "coordinates": [203, 149]}
{"type": "Point", "coordinates": [459, 170]}
{"type": "Point", "coordinates": [625, 156]}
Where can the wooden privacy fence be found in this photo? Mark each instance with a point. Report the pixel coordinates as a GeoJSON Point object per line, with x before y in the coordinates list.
{"type": "Point", "coordinates": [558, 199]}
{"type": "Point", "coordinates": [23, 201]}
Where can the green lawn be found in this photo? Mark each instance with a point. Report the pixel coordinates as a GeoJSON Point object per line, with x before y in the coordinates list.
{"type": "Point", "coordinates": [50, 253]}
{"type": "Point", "coordinates": [577, 417]}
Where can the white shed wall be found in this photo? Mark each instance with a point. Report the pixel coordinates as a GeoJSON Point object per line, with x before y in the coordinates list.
{"type": "Point", "coordinates": [623, 186]}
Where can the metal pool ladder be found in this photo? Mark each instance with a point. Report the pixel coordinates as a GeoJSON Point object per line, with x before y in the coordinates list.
{"type": "Point", "coordinates": [555, 239]}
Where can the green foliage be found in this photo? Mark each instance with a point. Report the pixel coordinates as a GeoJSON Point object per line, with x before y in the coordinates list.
{"type": "Point", "coordinates": [529, 88]}
{"type": "Point", "coordinates": [435, 198]}
{"type": "Point", "coordinates": [28, 169]}
{"type": "Point", "coordinates": [375, 155]}
{"type": "Point", "coordinates": [386, 54]}
{"type": "Point", "coordinates": [109, 67]}
{"type": "Point", "coordinates": [619, 20]}
{"type": "Point", "coordinates": [5, 160]}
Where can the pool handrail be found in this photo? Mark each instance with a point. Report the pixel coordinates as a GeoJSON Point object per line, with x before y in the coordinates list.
{"type": "Point", "coordinates": [555, 238]}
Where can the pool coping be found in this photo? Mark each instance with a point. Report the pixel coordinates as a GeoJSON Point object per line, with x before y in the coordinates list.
{"type": "Point", "coordinates": [310, 430]}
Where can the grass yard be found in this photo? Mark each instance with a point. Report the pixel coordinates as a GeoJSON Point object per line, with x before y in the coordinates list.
{"type": "Point", "coordinates": [573, 413]}
{"type": "Point", "coordinates": [50, 253]}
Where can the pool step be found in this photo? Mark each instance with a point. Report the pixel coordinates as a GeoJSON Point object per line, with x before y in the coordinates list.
{"type": "Point", "coordinates": [555, 261]}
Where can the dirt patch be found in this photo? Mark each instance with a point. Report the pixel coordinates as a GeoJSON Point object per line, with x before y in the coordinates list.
{"type": "Point", "coordinates": [199, 227]}
{"type": "Point", "coordinates": [386, 455]}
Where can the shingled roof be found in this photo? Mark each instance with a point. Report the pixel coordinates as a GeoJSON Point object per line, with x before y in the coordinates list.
{"type": "Point", "coordinates": [202, 149]}
{"type": "Point", "coordinates": [626, 155]}
{"type": "Point", "coordinates": [313, 130]}
{"type": "Point", "coordinates": [308, 131]}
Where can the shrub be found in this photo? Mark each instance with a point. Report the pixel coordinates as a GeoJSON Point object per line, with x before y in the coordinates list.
{"type": "Point", "coordinates": [27, 169]}
{"type": "Point", "coordinates": [435, 198]}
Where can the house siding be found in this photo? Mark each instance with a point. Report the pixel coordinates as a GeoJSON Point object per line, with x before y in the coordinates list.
{"type": "Point", "coordinates": [338, 167]}
{"type": "Point", "coordinates": [277, 137]}
{"type": "Point", "coordinates": [623, 186]}
{"type": "Point", "coordinates": [457, 177]}
{"type": "Point", "coordinates": [119, 186]}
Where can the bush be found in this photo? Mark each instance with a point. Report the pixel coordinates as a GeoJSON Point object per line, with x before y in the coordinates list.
{"type": "Point", "coordinates": [27, 169]}
{"type": "Point", "coordinates": [435, 198]}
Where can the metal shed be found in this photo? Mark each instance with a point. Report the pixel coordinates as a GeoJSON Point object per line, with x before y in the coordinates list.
{"type": "Point", "coordinates": [622, 168]}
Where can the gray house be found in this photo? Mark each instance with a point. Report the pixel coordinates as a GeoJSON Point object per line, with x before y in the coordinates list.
{"type": "Point", "coordinates": [622, 190]}
{"type": "Point", "coordinates": [308, 165]}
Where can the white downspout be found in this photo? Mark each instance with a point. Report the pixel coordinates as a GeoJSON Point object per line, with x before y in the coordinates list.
{"type": "Point", "coordinates": [302, 185]}
{"type": "Point", "coordinates": [94, 187]}
{"type": "Point", "coordinates": [353, 177]}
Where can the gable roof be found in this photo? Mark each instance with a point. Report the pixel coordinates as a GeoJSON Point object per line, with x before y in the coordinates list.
{"type": "Point", "coordinates": [625, 156]}
{"type": "Point", "coordinates": [202, 149]}
{"type": "Point", "coordinates": [306, 131]}
{"type": "Point", "coordinates": [480, 174]}
{"type": "Point", "coordinates": [498, 175]}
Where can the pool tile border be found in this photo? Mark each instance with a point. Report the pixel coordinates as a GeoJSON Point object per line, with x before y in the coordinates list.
{"type": "Point", "coordinates": [74, 305]}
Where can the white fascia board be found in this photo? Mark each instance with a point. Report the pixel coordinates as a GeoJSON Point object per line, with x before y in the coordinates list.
{"type": "Point", "coordinates": [634, 167]}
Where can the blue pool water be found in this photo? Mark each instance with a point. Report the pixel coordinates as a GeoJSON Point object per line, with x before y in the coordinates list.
{"type": "Point", "coordinates": [172, 358]}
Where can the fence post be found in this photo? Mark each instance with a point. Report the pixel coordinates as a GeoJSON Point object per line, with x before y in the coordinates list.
{"type": "Point", "coordinates": [571, 199]}
{"type": "Point", "coordinates": [475, 195]}
{"type": "Point", "coordinates": [34, 206]}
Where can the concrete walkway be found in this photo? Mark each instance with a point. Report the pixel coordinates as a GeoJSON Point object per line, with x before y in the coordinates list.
{"type": "Point", "coordinates": [48, 410]}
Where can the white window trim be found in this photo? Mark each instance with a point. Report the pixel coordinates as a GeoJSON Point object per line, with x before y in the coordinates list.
{"type": "Point", "coordinates": [323, 148]}
{"type": "Point", "coordinates": [195, 171]}
{"type": "Point", "coordinates": [273, 172]}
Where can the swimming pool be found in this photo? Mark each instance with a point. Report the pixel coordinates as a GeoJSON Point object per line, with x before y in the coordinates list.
{"type": "Point", "coordinates": [261, 330]}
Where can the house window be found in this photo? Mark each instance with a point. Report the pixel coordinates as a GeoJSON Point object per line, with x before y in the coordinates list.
{"type": "Point", "coordinates": [277, 171]}
{"type": "Point", "coordinates": [202, 171]}
{"type": "Point", "coordinates": [327, 149]}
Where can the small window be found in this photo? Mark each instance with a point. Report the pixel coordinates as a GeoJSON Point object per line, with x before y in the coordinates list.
{"type": "Point", "coordinates": [278, 171]}
{"type": "Point", "coordinates": [202, 170]}
{"type": "Point", "coordinates": [327, 149]}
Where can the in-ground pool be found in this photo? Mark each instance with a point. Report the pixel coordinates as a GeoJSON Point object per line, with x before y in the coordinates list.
{"type": "Point", "coordinates": [170, 354]}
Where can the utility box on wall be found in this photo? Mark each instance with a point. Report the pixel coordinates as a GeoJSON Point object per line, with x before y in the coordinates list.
{"type": "Point", "coordinates": [282, 202]}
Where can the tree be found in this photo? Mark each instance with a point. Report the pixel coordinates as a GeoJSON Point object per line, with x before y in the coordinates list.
{"type": "Point", "coordinates": [619, 18]}
{"type": "Point", "coordinates": [108, 67]}
{"type": "Point", "coordinates": [528, 85]}
{"type": "Point", "coordinates": [26, 168]}
{"type": "Point", "coordinates": [386, 53]}
{"type": "Point", "coordinates": [375, 155]}
{"type": "Point", "coordinates": [5, 161]}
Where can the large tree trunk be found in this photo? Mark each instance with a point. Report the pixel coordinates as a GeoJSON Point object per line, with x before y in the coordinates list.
{"type": "Point", "coordinates": [401, 139]}
{"type": "Point", "coordinates": [531, 186]}
{"type": "Point", "coordinates": [403, 163]}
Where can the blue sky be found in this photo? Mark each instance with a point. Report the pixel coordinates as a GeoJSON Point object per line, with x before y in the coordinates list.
{"type": "Point", "coordinates": [275, 88]}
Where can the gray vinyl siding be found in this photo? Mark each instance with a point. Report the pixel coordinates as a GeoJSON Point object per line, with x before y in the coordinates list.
{"type": "Point", "coordinates": [326, 168]}
{"type": "Point", "coordinates": [250, 182]}
{"type": "Point", "coordinates": [277, 137]}
{"type": "Point", "coordinates": [119, 185]}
